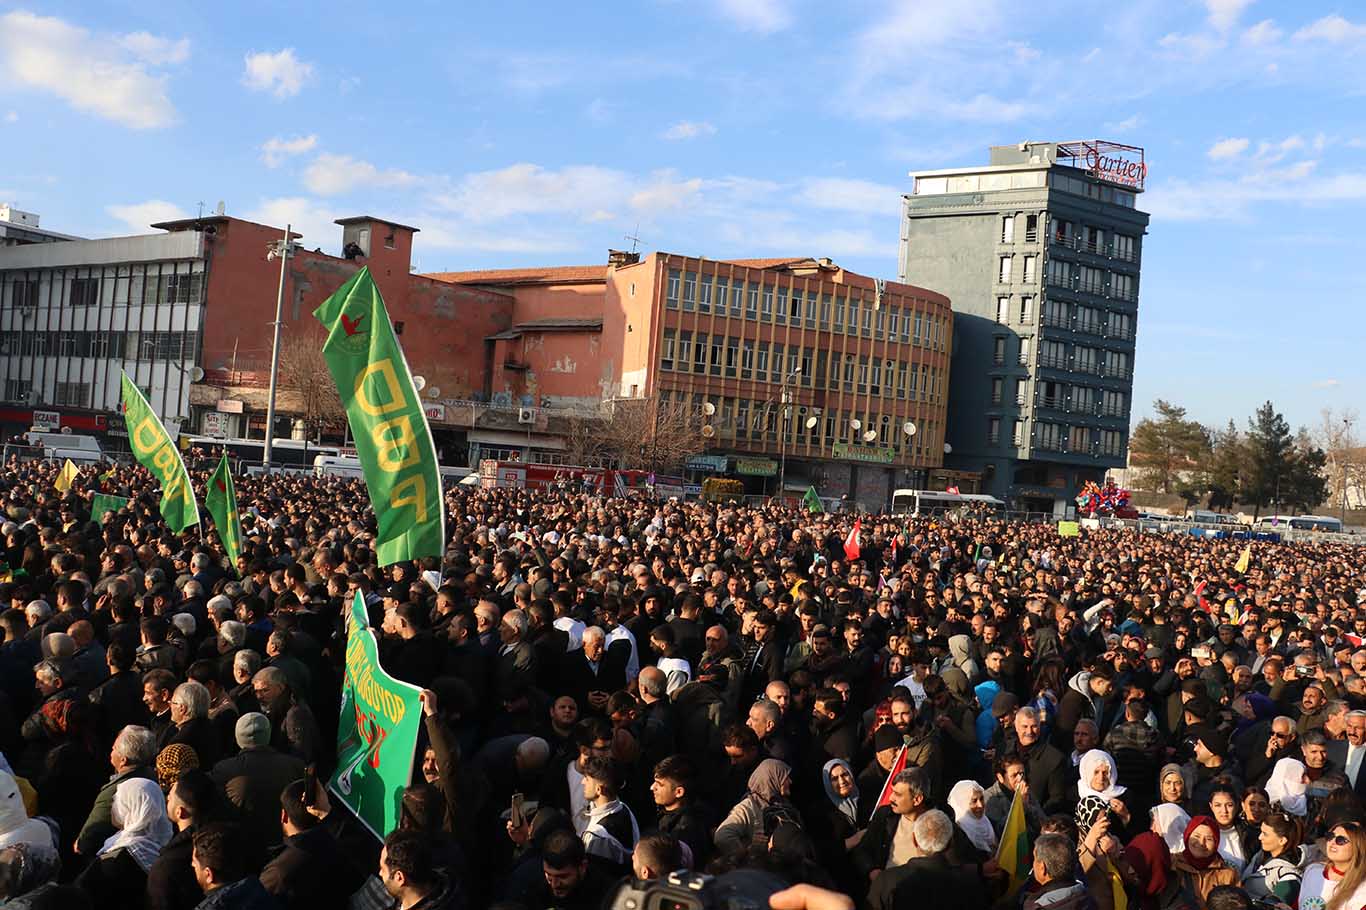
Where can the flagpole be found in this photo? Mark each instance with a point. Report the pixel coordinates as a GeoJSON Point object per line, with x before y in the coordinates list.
{"type": "Point", "coordinates": [275, 352]}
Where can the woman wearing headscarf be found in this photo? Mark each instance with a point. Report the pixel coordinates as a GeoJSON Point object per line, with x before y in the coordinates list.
{"type": "Point", "coordinates": [763, 807]}
{"type": "Point", "coordinates": [836, 819]}
{"type": "Point", "coordinates": [118, 876]}
{"type": "Point", "coordinates": [1100, 778]}
{"type": "Point", "coordinates": [26, 875]}
{"type": "Point", "coordinates": [15, 825]}
{"type": "Point", "coordinates": [1288, 786]}
{"type": "Point", "coordinates": [1200, 867]}
{"type": "Point", "coordinates": [1169, 823]}
{"type": "Point", "coordinates": [1155, 887]}
{"type": "Point", "coordinates": [968, 801]}
{"type": "Point", "coordinates": [1173, 788]}
{"type": "Point", "coordinates": [1100, 853]}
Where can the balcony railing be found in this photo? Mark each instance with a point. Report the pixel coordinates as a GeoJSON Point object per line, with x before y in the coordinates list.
{"type": "Point", "coordinates": [1111, 411]}
{"type": "Point", "coordinates": [1091, 287]}
{"type": "Point", "coordinates": [1089, 326]}
{"type": "Point", "coordinates": [1055, 402]}
{"type": "Point", "coordinates": [1123, 334]}
{"type": "Point", "coordinates": [1057, 363]}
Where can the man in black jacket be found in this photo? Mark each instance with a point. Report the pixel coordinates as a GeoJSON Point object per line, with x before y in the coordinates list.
{"type": "Point", "coordinates": [254, 778]}
{"type": "Point", "coordinates": [679, 814]}
{"type": "Point", "coordinates": [171, 883]}
{"type": "Point", "coordinates": [311, 869]}
{"type": "Point", "coordinates": [514, 676]}
{"type": "Point", "coordinates": [835, 734]}
{"type": "Point", "coordinates": [1046, 765]}
{"type": "Point", "coordinates": [118, 699]}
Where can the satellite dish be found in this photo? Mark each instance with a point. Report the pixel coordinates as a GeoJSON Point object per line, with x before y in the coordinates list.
{"type": "Point", "coordinates": [908, 428]}
{"type": "Point", "coordinates": [811, 422]}
{"type": "Point", "coordinates": [856, 424]}
{"type": "Point", "coordinates": [709, 409]}
{"type": "Point", "coordinates": [419, 382]}
{"type": "Point", "coordinates": [434, 392]}
{"type": "Point", "coordinates": [870, 436]}
{"type": "Point", "coordinates": [66, 430]}
{"type": "Point", "coordinates": [709, 431]}
{"type": "Point", "coordinates": [196, 374]}
{"type": "Point", "coordinates": [948, 449]}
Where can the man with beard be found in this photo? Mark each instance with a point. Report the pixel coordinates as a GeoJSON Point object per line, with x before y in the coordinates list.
{"type": "Point", "coordinates": [833, 732]}
{"type": "Point", "coordinates": [292, 722]}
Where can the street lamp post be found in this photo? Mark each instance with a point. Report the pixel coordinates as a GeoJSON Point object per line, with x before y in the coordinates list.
{"type": "Point", "coordinates": [1342, 470]}
{"type": "Point", "coordinates": [281, 250]}
{"type": "Point", "coordinates": [785, 398]}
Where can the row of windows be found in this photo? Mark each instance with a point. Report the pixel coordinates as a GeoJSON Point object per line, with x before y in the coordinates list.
{"type": "Point", "coordinates": [779, 305]}
{"type": "Point", "coordinates": [1059, 314]}
{"type": "Point", "coordinates": [735, 358]}
{"type": "Point", "coordinates": [1084, 278]}
{"type": "Point", "coordinates": [770, 421]}
{"type": "Point", "coordinates": [1091, 239]}
{"type": "Point", "coordinates": [33, 289]}
{"type": "Point", "coordinates": [1059, 355]}
{"type": "Point", "coordinates": [1059, 437]}
{"type": "Point", "coordinates": [124, 345]}
{"type": "Point", "coordinates": [1091, 189]}
{"type": "Point", "coordinates": [1063, 396]}
{"type": "Point", "coordinates": [67, 394]}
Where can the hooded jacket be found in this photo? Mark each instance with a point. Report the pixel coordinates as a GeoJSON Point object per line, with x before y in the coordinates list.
{"type": "Point", "coordinates": [1076, 703]}
{"type": "Point", "coordinates": [961, 652]}
{"type": "Point", "coordinates": [15, 825]}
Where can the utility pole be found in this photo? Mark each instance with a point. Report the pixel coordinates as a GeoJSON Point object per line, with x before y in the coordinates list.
{"type": "Point", "coordinates": [784, 398]}
{"type": "Point", "coordinates": [1342, 471]}
{"type": "Point", "coordinates": [283, 252]}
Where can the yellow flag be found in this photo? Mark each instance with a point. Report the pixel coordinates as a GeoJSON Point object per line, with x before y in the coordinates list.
{"type": "Point", "coordinates": [1243, 561]}
{"type": "Point", "coordinates": [1012, 853]}
{"type": "Point", "coordinates": [1117, 887]}
{"type": "Point", "coordinates": [67, 476]}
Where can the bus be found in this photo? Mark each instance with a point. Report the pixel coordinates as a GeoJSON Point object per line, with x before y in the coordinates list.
{"type": "Point", "coordinates": [1203, 517]}
{"type": "Point", "coordinates": [933, 502]}
{"type": "Point", "coordinates": [1316, 523]}
{"type": "Point", "coordinates": [286, 453]}
{"type": "Point", "coordinates": [350, 466]}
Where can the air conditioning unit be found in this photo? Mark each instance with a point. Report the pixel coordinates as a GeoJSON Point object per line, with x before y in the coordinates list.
{"type": "Point", "coordinates": [526, 415]}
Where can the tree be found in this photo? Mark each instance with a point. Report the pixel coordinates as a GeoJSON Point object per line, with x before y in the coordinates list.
{"type": "Point", "coordinates": [1167, 447]}
{"type": "Point", "coordinates": [584, 440]}
{"type": "Point", "coordinates": [652, 434]}
{"type": "Point", "coordinates": [1345, 457]}
{"type": "Point", "coordinates": [1225, 466]}
{"type": "Point", "coordinates": [1306, 482]}
{"type": "Point", "coordinates": [303, 369]}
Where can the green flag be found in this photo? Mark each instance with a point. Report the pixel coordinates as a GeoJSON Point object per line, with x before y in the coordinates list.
{"type": "Point", "coordinates": [380, 718]}
{"type": "Point", "coordinates": [393, 441]}
{"type": "Point", "coordinates": [812, 501]}
{"type": "Point", "coordinates": [221, 500]}
{"type": "Point", "coordinates": [103, 502]}
{"type": "Point", "coordinates": [157, 452]}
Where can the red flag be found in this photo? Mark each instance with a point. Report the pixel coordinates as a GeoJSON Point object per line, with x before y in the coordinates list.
{"type": "Point", "coordinates": [1353, 639]}
{"type": "Point", "coordinates": [894, 551]}
{"type": "Point", "coordinates": [953, 490]}
{"type": "Point", "coordinates": [898, 766]}
{"type": "Point", "coordinates": [851, 549]}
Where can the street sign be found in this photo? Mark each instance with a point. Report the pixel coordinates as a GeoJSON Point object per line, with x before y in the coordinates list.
{"type": "Point", "coordinates": [47, 420]}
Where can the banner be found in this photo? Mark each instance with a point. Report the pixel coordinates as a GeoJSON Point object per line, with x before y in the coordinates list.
{"type": "Point", "coordinates": [220, 498]}
{"type": "Point", "coordinates": [103, 502]}
{"type": "Point", "coordinates": [156, 451]}
{"type": "Point", "coordinates": [1012, 853]}
{"type": "Point", "coordinates": [393, 440]}
{"type": "Point", "coordinates": [1069, 529]}
{"type": "Point", "coordinates": [380, 718]}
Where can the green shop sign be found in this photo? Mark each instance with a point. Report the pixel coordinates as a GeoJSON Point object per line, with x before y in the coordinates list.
{"type": "Point", "coordinates": [756, 467]}
{"type": "Point", "coordinates": [874, 454]}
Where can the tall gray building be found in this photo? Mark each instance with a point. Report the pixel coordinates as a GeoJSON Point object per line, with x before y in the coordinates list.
{"type": "Point", "coordinates": [1039, 252]}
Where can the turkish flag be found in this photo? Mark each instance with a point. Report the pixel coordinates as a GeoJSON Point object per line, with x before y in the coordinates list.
{"type": "Point", "coordinates": [851, 548]}
{"type": "Point", "coordinates": [898, 766]}
{"type": "Point", "coordinates": [953, 490]}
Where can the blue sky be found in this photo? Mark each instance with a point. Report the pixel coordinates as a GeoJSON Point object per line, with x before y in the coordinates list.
{"type": "Point", "coordinates": [543, 133]}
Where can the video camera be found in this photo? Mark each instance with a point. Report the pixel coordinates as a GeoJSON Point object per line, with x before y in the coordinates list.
{"type": "Point", "coordinates": [742, 889]}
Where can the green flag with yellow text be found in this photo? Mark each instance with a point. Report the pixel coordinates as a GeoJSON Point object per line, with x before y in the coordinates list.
{"type": "Point", "coordinates": [156, 451]}
{"type": "Point", "coordinates": [220, 498]}
{"type": "Point", "coordinates": [377, 734]}
{"type": "Point", "coordinates": [812, 500]}
{"type": "Point", "coordinates": [393, 441]}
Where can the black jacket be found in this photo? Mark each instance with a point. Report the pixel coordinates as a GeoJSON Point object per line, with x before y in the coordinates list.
{"type": "Point", "coordinates": [928, 881]}
{"type": "Point", "coordinates": [200, 734]}
{"type": "Point", "coordinates": [693, 825]}
{"type": "Point", "coordinates": [171, 883]}
{"type": "Point", "coordinates": [308, 872]}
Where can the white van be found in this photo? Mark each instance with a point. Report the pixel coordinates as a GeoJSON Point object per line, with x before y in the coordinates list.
{"type": "Point", "coordinates": [338, 466]}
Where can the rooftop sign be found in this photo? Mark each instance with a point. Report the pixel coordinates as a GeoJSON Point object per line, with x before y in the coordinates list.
{"type": "Point", "coordinates": [1108, 161]}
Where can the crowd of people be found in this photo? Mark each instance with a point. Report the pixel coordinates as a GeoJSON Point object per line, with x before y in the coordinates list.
{"type": "Point", "coordinates": [620, 689]}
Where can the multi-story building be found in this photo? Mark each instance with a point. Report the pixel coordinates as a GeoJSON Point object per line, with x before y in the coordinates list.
{"type": "Point", "coordinates": [861, 364]}
{"type": "Point", "coordinates": [1040, 253]}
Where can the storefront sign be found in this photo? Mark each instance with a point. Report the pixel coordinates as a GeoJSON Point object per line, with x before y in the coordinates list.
{"type": "Point", "coordinates": [756, 467]}
{"type": "Point", "coordinates": [715, 463]}
{"type": "Point", "coordinates": [435, 412]}
{"type": "Point", "coordinates": [229, 406]}
{"type": "Point", "coordinates": [214, 424]}
{"type": "Point", "coordinates": [47, 420]}
{"type": "Point", "coordinates": [872, 454]}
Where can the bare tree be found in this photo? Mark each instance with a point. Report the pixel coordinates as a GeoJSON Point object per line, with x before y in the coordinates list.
{"type": "Point", "coordinates": [303, 369]}
{"type": "Point", "coordinates": [584, 441]}
{"type": "Point", "coordinates": [651, 434]}
{"type": "Point", "coordinates": [1346, 467]}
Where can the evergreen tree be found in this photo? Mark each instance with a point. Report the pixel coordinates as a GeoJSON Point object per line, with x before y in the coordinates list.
{"type": "Point", "coordinates": [1270, 450]}
{"type": "Point", "coordinates": [1225, 466]}
{"type": "Point", "coordinates": [1166, 447]}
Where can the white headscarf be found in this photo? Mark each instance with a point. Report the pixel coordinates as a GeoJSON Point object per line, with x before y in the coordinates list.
{"type": "Point", "coordinates": [15, 825]}
{"type": "Point", "coordinates": [1287, 786]}
{"type": "Point", "coordinates": [139, 812]}
{"type": "Point", "coordinates": [978, 830]}
{"type": "Point", "coordinates": [1089, 762]}
{"type": "Point", "coordinates": [1171, 821]}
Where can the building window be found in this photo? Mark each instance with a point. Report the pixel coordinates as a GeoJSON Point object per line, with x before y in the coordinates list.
{"type": "Point", "coordinates": [1031, 228]}
{"type": "Point", "coordinates": [752, 302]}
{"type": "Point", "coordinates": [684, 350]}
{"type": "Point", "coordinates": [781, 308]}
{"type": "Point", "coordinates": [998, 350]}
{"type": "Point", "coordinates": [1079, 439]}
{"type": "Point", "coordinates": [1017, 432]}
{"type": "Point", "coordinates": [1026, 309]}
{"type": "Point", "coordinates": [1085, 361]}
{"type": "Point", "coordinates": [183, 287]}
{"type": "Point", "coordinates": [1008, 229]}
{"type": "Point", "coordinates": [704, 295]}
{"type": "Point", "coordinates": [1053, 354]}
{"type": "Point", "coordinates": [1024, 351]}
{"type": "Point", "coordinates": [17, 390]}
{"type": "Point", "coordinates": [852, 325]}
{"type": "Point", "coordinates": [805, 366]}
{"type": "Point", "coordinates": [1092, 239]}
{"type": "Point", "coordinates": [1054, 314]}
{"type": "Point", "coordinates": [993, 430]}
{"type": "Point", "coordinates": [1059, 272]}
{"type": "Point", "coordinates": [666, 360]}
{"type": "Point", "coordinates": [766, 306]}
{"type": "Point", "coordinates": [1092, 280]}
{"type": "Point", "coordinates": [1003, 270]}
{"type": "Point", "coordinates": [867, 321]}
{"type": "Point", "coordinates": [72, 394]}
{"type": "Point", "coordinates": [762, 367]}
{"type": "Point", "coordinates": [1083, 399]}
{"type": "Point", "coordinates": [1112, 442]}
{"type": "Point", "coordinates": [919, 328]}
{"type": "Point", "coordinates": [1029, 269]}
{"type": "Point", "coordinates": [1117, 364]}
{"type": "Point", "coordinates": [893, 323]}
{"type": "Point", "coordinates": [1062, 232]}
{"type": "Point", "coordinates": [1112, 404]}
{"type": "Point", "coordinates": [732, 354]}
{"type": "Point", "coordinates": [1049, 436]}
{"type": "Point", "coordinates": [25, 292]}
{"type": "Point", "coordinates": [1120, 325]}
{"type": "Point", "coordinates": [1122, 286]}
{"type": "Point", "coordinates": [737, 299]}
{"type": "Point", "coordinates": [747, 359]}
{"type": "Point", "coordinates": [1021, 390]}
{"type": "Point", "coordinates": [1051, 394]}
{"type": "Point", "coordinates": [1002, 310]}
{"type": "Point", "coordinates": [1124, 247]}
{"type": "Point", "coordinates": [1088, 320]}
{"type": "Point", "coordinates": [997, 388]}
{"type": "Point", "coordinates": [85, 292]}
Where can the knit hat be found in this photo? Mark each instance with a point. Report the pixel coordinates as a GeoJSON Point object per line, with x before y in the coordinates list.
{"type": "Point", "coordinates": [1214, 741]}
{"type": "Point", "coordinates": [887, 737]}
{"type": "Point", "coordinates": [252, 730]}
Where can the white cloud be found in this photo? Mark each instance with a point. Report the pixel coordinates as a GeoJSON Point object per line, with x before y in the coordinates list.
{"type": "Point", "coordinates": [11, 116]}
{"type": "Point", "coordinates": [275, 150]}
{"type": "Point", "coordinates": [1192, 47]}
{"type": "Point", "coordinates": [1328, 383]}
{"type": "Point", "coordinates": [1127, 125]}
{"type": "Point", "coordinates": [1263, 34]}
{"type": "Point", "coordinates": [689, 129]}
{"type": "Point", "coordinates": [137, 216]}
{"type": "Point", "coordinates": [664, 191]}
{"type": "Point", "coordinates": [843, 194]}
{"type": "Point", "coordinates": [1225, 149]}
{"type": "Point", "coordinates": [1332, 28]}
{"type": "Point", "coordinates": [1224, 14]}
{"type": "Point", "coordinates": [91, 73]}
{"type": "Point", "coordinates": [155, 49]}
{"type": "Point", "coordinates": [332, 175]}
{"type": "Point", "coordinates": [282, 73]}
{"type": "Point", "coordinates": [763, 16]}
{"type": "Point", "coordinates": [309, 217]}
{"type": "Point", "coordinates": [529, 189]}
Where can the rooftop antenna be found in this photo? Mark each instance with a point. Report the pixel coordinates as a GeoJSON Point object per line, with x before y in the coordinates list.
{"type": "Point", "coordinates": [635, 240]}
{"type": "Point", "coordinates": [201, 210]}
